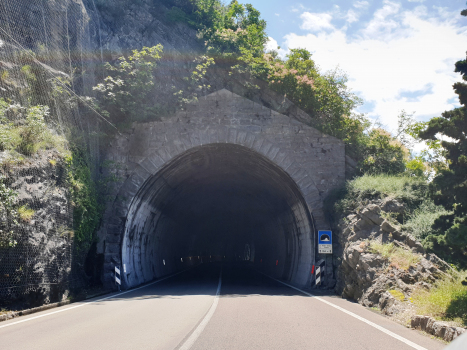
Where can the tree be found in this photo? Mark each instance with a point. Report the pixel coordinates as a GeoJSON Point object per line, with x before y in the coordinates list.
{"type": "Point", "coordinates": [382, 154]}
{"type": "Point", "coordinates": [450, 185]}
{"type": "Point", "coordinates": [240, 31]}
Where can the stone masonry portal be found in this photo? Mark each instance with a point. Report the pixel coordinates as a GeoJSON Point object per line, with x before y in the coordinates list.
{"type": "Point", "coordinates": [225, 176]}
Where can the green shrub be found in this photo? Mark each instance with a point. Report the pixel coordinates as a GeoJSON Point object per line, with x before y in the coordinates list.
{"type": "Point", "coordinates": [25, 213]}
{"type": "Point", "coordinates": [86, 209]}
{"type": "Point", "coordinates": [24, 130]}
{"type": "Point", "coordinates": [421, 220]}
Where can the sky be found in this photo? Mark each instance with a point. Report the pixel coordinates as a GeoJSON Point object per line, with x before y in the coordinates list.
{"type": "Point", "coordinates": [398, 55]}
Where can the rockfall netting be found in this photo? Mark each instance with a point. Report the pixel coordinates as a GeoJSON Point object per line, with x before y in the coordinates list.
{"type": "Point", "coordinates": [49, 55]}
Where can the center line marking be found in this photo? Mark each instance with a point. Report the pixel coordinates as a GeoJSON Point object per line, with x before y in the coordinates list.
{"type": "Point", "coordinates": [197, 332]}
{"type": "Point", "coordinates": [372, 324]}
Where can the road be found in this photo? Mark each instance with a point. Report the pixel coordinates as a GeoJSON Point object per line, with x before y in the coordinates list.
{"type": "Point", "coordinates": [183, 312]}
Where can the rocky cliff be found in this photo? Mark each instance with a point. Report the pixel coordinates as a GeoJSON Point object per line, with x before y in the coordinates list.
{"type": "Point", "coordinates": [381, 266]}
{"type": "Point", "coordinates": [37, 267]}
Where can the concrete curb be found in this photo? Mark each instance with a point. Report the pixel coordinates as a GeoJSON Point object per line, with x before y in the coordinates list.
{"type": "Point", "coordinates": [436, 328]}
{"type": "Point", "coordinates": [14, 314]}
{"type": "Point", "coordinates": [25, 312]}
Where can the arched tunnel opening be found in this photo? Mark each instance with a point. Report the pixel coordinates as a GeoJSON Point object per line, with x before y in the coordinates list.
{"type": "Point", "coordinates": [218, 202]}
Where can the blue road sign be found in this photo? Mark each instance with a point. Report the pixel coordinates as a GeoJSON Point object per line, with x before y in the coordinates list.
{"type": "Point", "coordinates": [325, 242]}
{"type": "Point", "coordinates": [324, 237]}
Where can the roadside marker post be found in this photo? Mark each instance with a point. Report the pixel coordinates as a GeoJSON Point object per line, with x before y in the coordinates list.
{"type": "Point", "coordinates": [118, 277]}
{"type": "Point", "coordinates": [319, 272]}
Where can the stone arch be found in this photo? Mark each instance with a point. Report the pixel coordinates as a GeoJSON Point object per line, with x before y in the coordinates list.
{"type": "Point", "coordinates": [294, 148]}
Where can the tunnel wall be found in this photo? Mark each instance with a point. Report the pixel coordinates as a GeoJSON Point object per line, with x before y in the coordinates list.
{"type": "Point", "coordinates": [314, 161]}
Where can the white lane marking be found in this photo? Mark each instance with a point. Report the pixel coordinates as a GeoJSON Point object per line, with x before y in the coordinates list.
{"type": "Point", "coordinates": [197, 332]}
{"type": "Point", "coordinates": [372, 324]}
{"type": "Point", "coordinates": [89, 302]}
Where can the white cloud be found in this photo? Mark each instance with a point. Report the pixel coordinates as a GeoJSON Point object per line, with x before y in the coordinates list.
{"type": "Point", "coordinates": [272, 45]}
{"type": "Point", "coordinates": [385, 22]}
{"type": "Point", "coordinates": [316, 21]}
{"type": "Point", "coordinates": [361, 4]}
{"type": "Point", "coordinates": [351, 16]}
{"type": "Point", "coordinates": [397, 52]}
{"type": "Point", "coordinates": [416, 0]}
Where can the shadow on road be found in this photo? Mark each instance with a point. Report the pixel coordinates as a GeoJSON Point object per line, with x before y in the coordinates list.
{"type": "Point", "coordinates": [238, 281]}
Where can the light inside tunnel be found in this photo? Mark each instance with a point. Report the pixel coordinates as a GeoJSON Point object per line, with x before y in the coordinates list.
{"type": "Point", "coordinates": [220, 200]}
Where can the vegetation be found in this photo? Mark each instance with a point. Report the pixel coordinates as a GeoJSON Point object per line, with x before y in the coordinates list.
{"type": "Point", "coordinates": [124, 93]}
{"type": "Point", "coordinates": [23, 131]}
{"type": "Point", "coordinates": [25, 213]}
{"type": "Point", "coordinates": [448, 236]}
{"type": "Point", "coordinates": [420, 211]}
{"type": "Point", "coordinates": [397, 294]}
{"type": "Point", "coordinates": [87, 210]}
{"type": "Point", "coordinates": [449, 190]}
{"type": "Point", "coordinates": [446, 300]}
{"type": "Point", "coordinates": [132, 91]}
{"type": "Point", "coordinates": [8, 215]}
{"type": "Point", "coordinates": [410, 190]}
{"type": "Point", "coordinates": [421, 220]}
{"type": "Point", "coordinates": [398, 257]}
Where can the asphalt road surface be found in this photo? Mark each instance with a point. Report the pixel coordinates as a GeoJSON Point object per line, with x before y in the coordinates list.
{"type": "Point", "coordinates": [251, 311]}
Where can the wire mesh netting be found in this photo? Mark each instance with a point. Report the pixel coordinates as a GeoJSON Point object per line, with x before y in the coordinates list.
{"type": "Point", "coordinates": [49, 52]}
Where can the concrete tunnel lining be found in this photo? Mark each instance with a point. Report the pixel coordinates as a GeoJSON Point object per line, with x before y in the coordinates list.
{"type": "Point", "coordinates": [218, 199]}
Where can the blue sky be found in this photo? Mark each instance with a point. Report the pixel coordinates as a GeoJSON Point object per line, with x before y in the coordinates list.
{"type": "Point", "coordinates": [398, 55]}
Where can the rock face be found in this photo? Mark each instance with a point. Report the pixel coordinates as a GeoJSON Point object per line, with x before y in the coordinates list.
{"type": "Point", "coordinates": [143, 23]}
{"type": "Point", "coordinates": [369, 277]}
{"type": "Point", "coordinates": [37, 270]}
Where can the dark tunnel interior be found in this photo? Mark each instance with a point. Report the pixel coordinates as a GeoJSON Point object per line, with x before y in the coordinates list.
{"type": "Point", "coordinates": [218, 202]}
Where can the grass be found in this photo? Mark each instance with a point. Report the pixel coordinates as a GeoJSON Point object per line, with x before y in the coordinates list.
{"type": "Point", "coordinates": [25, 213]}
{"type": "Point", "coordinates": [398, 257]}
{"type": "Point", "coordinates": [402, 187]}
{"type": "Point", "coordinates": [446, 300]}
{"type": "Point", "coordinates": [410, 190]}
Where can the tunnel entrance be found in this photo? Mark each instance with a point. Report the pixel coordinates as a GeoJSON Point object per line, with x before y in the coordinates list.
{"type": "Point", "coordinates": [221, 201]}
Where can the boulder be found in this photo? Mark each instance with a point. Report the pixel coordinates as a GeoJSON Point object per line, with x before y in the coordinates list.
{"type": "Point", "coordinates": [372, 213]}
{"type": "Point", "coordinates": [441, 264]}
{"type": "Point", "coordinates": [391, 205]}
{"type": "Point", "coordinates": [352, 254]}
{"type": "Point", "coordinates": [388, 227]}
{"type": "Point", "coordinates": [419, 322]}
{"type": "Point", "coordinates": [390, 305]}
{"type": "Point", "coordinates": [413, 243]}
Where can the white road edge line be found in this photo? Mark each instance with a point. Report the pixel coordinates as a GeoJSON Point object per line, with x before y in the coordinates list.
{"type": "Point", "coordinates": [197, 332]}
{"type": "Point", "coordinates": [372, 324]}
{"type": "Point", "coordinates": [89, 302]}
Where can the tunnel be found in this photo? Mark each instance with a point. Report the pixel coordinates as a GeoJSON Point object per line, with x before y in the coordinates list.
{"type": "Point", "coordinates": [218, 202]}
